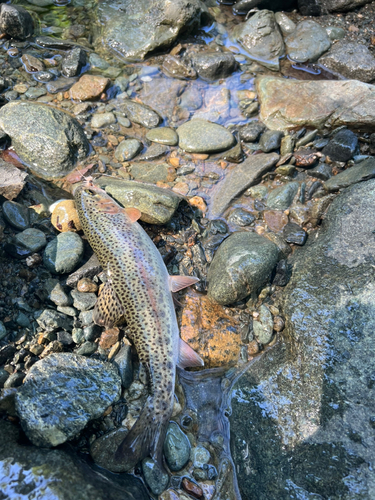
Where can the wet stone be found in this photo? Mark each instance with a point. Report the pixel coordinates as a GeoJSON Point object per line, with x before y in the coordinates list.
{"type": "Point", "coordinates": [63, 253]}
{"type": "Point", "coordinates": [88, 87]}
{"type": "Point", "coordinates": [270, 140]}
{"type": "Point", "coordinates": [241, 217]}
{"type": "Point", "coordinates": [61, 393]}
{"type": "Point", "coordinates": [342, 146]}
{"type": "Point", "coordinates": [199, 456]}
{"type": "Point", "coordinates": [352, 60]}
{"type": "Point", "coordinates": [357, 173]}
{"type": "Point", "coordinates": [241, 266]}
{"type": "Point", "coordinates": [12, 180]}
{"type": "Point", "coordinates": [35, 92]}
{"type": "Point", "coordinates": [99, 120]}
{"type": "Point", "coordinates": [149, 171]}
{"type": "Point", "coordinates": [56, 293]}
{"type": "Point", "coordinates": [176, 448]}
{"type": "Point", "coordinates": [202, 136]}
{"type": "Point", "coordinates": [211, 66]}
{"type": "Point", "coordinates": [251, 132]}
{"type": "Point", "coordinates": [163, 135]}
{"type": "Point", "coordinates": [51, 320]}
{"type": "Point", "coordinates": [32, 239]}
{"type": "Point", "coordinates": [32, 64]}
{"type": "Point", "coordinates": [15, 21]}
{"type": "Point", "coordinates": [322, 171]}
{"type": "Point", "coordinates": [83, 301]}
{"type": "Point", "coordinates": [15, 380]}
{"type": "Point", "coordinates": [155, 478]}
{"type": "Point", "coordinates": [60, 85]}
{"type": "Point", "coordinates": [128, 149]}
{"type": "Point", "coordinates": [65, 338]}
{"type": "Point", "coordinates": [3, 332]}
{"type": "Point", "coordinates": [307, 42]}
{"type": "Point", "coordinates": [87, 348]}
{"type": "Point", "coordinates": [153, 152]}
{"type": "Point", "coordinates": [16, 215]}
{"type": "Point", "coordinates": [275, 220]}
{"type": "Point", "coordinates": [140, 113]}
{"type": "Point", "coordinates": [176, 67]}
{"type": "Point", "coordinates": [43, 76]}
{"type": "Point", "coordinates": [263, 326]}
{"type": "Point", "coordinates": [286, 25]}
{"type": "Point", "coordinates": [292, 233]}
{"type": "Point", "coordinates": [123, 361]}
{"type": "Point", "coordinates": [73, 62]}
{"type": "Point", "coordinates": [282, 197]}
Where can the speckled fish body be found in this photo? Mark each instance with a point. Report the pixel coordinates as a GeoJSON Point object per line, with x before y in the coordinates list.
{"type": "Point", "coordinates": [138, 291]}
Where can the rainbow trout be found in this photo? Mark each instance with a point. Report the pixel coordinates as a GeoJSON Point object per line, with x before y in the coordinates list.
{"type": "Point", "coordinates": [138, 291]}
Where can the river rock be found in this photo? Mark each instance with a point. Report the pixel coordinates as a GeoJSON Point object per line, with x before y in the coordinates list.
{"type": "Point", "coordinates": [241, 266]}
{"type": "Point", "coordinates": [149, 171]}
{"type": "Point", "coordinates": [163, 135]}
{"type": "Point", "coordinates": [15, 21]}
{"type": "Point", "coordinates": [99, 120]}
{"type": "Point", "coordinates": [16, 215]}
{"type": "Point", "coordinates": [240, 178]}
{"type": "Point", "coordinates": [202, 136]}
{"type": "Point", "coordinates": [251, 131]}
{"type": "Point", "coordinates": [32, 239]}
{"type": "Point", "coordinates": [261, 38]}
{"type": "Point", "coordinates": [156, 478]}
{"type": "Point", "coordinates": [357, 173]}
{"type": "Point", "coordinates": [48, 140]}
{"type": "Point", "coordinates": [57, 473]}
{"type": "Point", "coordinates": [342, 5]}
{"type": "Point", "coordinates": [148, 25]}
{"type": "Point", "coordinates": [320, 417]}
{"type": "Point", "coordinates": [342, 146]}
{"type": "Point", "coordinates": [88, 87]}
{"type": "Point", "coordinates": [211, 66]}
{"type": "Point", "coordinates": [128, 149]}
{"type": "Point", "coordinates": [293, 233]}
{"type": "Point", "coordinates": [73, 62]}
{"type": "Point", "coordinates": [51, 320]}
{"type": "Point", "coordinates": [63, 253]}
{"type": "Point", "coordinates": [12, 180]}
{"type": "Point", "coordinates": [176, 447]}
{"type": "Point", "coordinates": [352, 60]}
{"type": "Point", "coordinates": [263, 325]}
{"type": "Point", "coordinates": [270, 140]}
{"type": "Point", "coordinates": [315, 103]}
{"type": "Point", "coordinates": [282, 197]}
{"type": "Point", "coordinates": [286, 25]}
{"type": "Point", "coordinates": [83, 301]}
{"type": "Point", "coordinates": [140, 113]}
{"type": "Point", "coordinates": [307, 42]}
{"type": "Point", "coordinates": [157, 205]}
{"type": "Point", "coordinates": [61, 393]}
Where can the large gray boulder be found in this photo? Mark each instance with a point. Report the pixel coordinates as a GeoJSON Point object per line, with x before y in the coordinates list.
{"type": "Point", "coordinates": [134, 28]}
{"type": "Point", "coordinates": [302, 419]}
{"type": "Point", "coordinates": [352, 60]}
{"type": "Point", "coordinates": [47, 139]}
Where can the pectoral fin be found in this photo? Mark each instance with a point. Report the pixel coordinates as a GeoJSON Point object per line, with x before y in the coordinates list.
{"type": "Point", "coordinates": [177, 283]}
{"type": "Point", "coordinates": [108, 310]}
{"type": "Point", "coordinates": [188, 357]}
{"type": "Point", "coordinates": [133, 213]}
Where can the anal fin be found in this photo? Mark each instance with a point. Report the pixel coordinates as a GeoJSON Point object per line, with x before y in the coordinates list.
{"type": "Point", "coordinates": [188, 357]}
{"type": "Point", "coordinates": [177, 283]}
{"type": "Point", "coordinates": [108, 310]}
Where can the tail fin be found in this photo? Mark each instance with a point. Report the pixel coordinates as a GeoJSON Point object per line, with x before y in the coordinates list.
{"type": "Point", "coordinates": [145, 438]}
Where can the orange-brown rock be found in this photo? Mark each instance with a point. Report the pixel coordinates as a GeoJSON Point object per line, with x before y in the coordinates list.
{"type": "Point", "coordinates": [181, 188]}
{"type": "Point", "coordinates": [86, 285]}
{"type": "Point", "coordinates": [275, 220]}
{"type": "Point", "coordinates": [109, 337]}
{"type": "Point", "coordinates": [193, 489]}
{"type": "Point", "coordinates": [198, 202]}
{"type": "Point", "coordinates": [252, 348]}
{"type": "Point", "coordinates": [88, 87]}
{"type": "Point", "coordinates": [209, 330]}
{"type": "Point", "coordinates": [65, 217]}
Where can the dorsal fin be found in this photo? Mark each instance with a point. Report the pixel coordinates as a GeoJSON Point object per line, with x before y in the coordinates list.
{"type": "Point", "coordinates": [133, 213]}
{"type": "Point", "coordinates": [177, 283]}
{"type": "Point", "coordinates": [188, 357]}
{"type": "Point", "coordinates": [108, 310]}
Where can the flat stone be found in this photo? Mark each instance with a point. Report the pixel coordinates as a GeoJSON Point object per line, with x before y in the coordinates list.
{"type": "Point", "coordinates": [241, 266]}
{"type": "Point", "coordinates": [32, 239]}
{"type": "Point", "coordinates": [307, 42]}
{"type": "Point", "coordinates": [163, 135]}
{"type": "Point", "coordinates": [83, 301]}
{"type": "Point", "coordinates": [176, 447]}
{"type": "Point", "coordinates": [140, 113]}
{"type": "Point", "coordinates": [357, 173]}
{"type": "Point", "coordinates": [352, 60]}
{"type": "Point", "coordinates": [157, 205]}
{"type": "Point", "coordinates": [211, 66]}
{"type": "Point", "coordinates": [240, 178]}
{"type": "Point", "coordinates": [128, 149]}
{"type": "Point", "coordinates": [63, 253]}
{"type": "Point", "coordinates": [282, 197]}
{"type": "Point", "coordinates": [315, 103]}
{"type": "Point", "coordinates": [48, 140]}
{"type": "Point", "coordinates": [88, 87]}
{"type": "Point", "coordinates": [202, 136]}
{"type": "Point", "coordinates": [153, 152]}
{"type": "Point", "coordinates": [35, 92]}
{"type": "Point", "coordinates": [60, 85]}
{"type": "Point", "coordinates": [261, 38]}
{"type": "Point", "coordinates": [210, 330]}
{"type": "Point", "coordinates": [99, 120]}
{"type": "Point", "coordinates": [149, 171]}
{"type": "Point", "coordinates": [51, 320]}
{"type": "Point", "coordinates": [342, 146]}
{"type": "Point", "coordinates": [12, 180]}
{"type": "Point", "coordinates": [16, 215]}
{"type": "Point", "coordinates": [63, 392]}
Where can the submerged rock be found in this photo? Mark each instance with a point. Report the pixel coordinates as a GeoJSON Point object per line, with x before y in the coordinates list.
{"type": "Point", "coordinates": [261, 38]}
{"type": "Point", "coordinates": [357, 173]}
{"type": "Point", "coordinates": [315, 103]}
{"type": "Point", "coordinates": [61, 393]}
{"type": "Point", "coordinates": [282, 197]}
{"type": "Point", "coordinates": [241, 266]}
{"type": "Point", "coordinates": [140, 113]}
{"type": "Point", "coordinates": [148, 25]}
{"type": "Point", "coordinates": [176, 447]}
{"type": "Point", "coordinates": [202, 136]}
{"type": "Point", "coordinates": [307, 42]}
{"type": "Point", "coordinates": [48, 140]}
{"type": "Point", "coordinates": [156, 204]}
{"type": "Point", "coordinates": [342, 146]}
{"type": "Point", "coordinates": [214, 65]}
{"type": "Point", "coordinates": [312, 396]}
